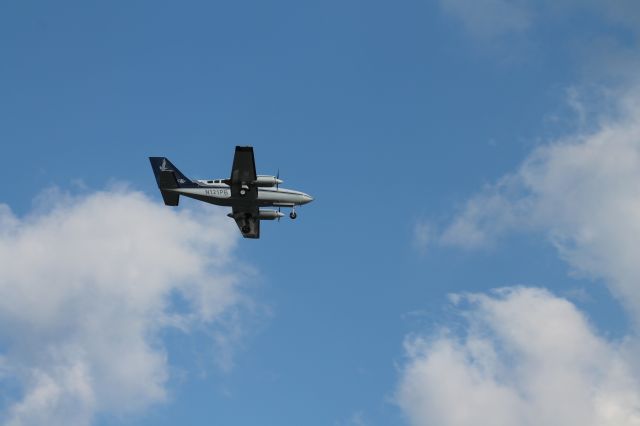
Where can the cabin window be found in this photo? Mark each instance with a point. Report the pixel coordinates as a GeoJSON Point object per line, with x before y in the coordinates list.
{"type": "Point", "coordinates": [209, 181]}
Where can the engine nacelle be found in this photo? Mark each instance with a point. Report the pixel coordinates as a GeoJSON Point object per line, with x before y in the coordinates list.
{"type": "Point", "coordinates": [269, 214]}
{"type": "Point", "coordinates": [267, 181]}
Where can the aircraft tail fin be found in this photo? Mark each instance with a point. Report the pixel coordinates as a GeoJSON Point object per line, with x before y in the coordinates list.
{"type": "Point", "coordinates": [169, 178]}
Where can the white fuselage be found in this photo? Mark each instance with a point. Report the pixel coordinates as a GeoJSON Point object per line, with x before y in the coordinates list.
{"type": "Point", "coordinates": [218, 193]}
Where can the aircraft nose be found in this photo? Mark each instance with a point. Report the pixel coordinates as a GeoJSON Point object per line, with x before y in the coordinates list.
{"type": "Point", "coordinates": [308, 198]}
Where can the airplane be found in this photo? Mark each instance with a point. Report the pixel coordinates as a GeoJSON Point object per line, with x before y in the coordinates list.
{"type": "Point", "coordinates": [244, 191]}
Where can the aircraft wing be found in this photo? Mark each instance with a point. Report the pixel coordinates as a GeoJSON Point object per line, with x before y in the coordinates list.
{"type": "Point", "coordinates": [243, 174]}
{"type": "Point", "coordinates": [247, 221]}
{"type": "Point", "coordinates": [243, 171]}
{"type": "Point", "coordinates": [242, 183]}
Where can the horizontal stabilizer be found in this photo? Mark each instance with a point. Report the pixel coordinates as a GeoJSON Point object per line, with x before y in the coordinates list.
{"type": "Point", "coordinates": [167, 180]}
{"type": "Point", "coordinates": [170, 198]}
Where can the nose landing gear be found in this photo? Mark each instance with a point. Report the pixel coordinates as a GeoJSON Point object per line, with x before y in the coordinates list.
{"type": "Point", "coordinates": [293, 213]}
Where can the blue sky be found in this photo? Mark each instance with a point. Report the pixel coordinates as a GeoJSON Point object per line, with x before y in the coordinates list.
{"type": "Point", "coordinates": [452, 147]}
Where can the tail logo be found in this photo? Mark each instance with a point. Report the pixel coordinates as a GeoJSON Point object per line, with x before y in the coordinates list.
{"type": "Point", "coordinates": [163, 168]}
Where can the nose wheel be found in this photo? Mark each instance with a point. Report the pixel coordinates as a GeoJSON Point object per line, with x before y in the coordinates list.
{"type": "Point", "coordinates": [293, 213]}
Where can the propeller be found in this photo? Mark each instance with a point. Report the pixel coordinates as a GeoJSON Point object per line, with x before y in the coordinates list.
{"type": "Point", "coordinates": [278, 188]}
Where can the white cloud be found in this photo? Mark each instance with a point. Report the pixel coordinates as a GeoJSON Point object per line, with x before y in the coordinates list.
{"type": "Point", "coordinates": [85, 287]}
{"type": "Point", "coordinates": [583, 192]}
{"type": "Point", "coordinates": [526, 358]}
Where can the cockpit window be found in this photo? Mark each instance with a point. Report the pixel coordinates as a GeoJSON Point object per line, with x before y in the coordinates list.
{"type": "Point", "coordinates": [209, 181]}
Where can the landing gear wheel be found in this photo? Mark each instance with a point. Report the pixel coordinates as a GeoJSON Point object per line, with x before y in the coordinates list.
{"type": "Point", "coordinates": [293, 215]}
{"type": "Point", "coordinates": [246, 229]}
{"type": "Point", "coordinates": [243, 192]}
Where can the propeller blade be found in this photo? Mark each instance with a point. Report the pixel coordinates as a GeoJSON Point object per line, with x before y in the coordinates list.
{"type": "Point", "coordinates": [277, 179]}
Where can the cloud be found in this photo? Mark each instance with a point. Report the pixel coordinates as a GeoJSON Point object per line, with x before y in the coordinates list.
{"type": "Point", "coordinates": [525, 357]}
{"type": "Point", "coordinates": [583, 192]}
{"type": "Point", "coordinates": [86, 286]}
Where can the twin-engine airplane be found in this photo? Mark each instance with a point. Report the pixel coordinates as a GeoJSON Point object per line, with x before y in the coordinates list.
{"type": "Point", "coordinates": [245, 192]}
